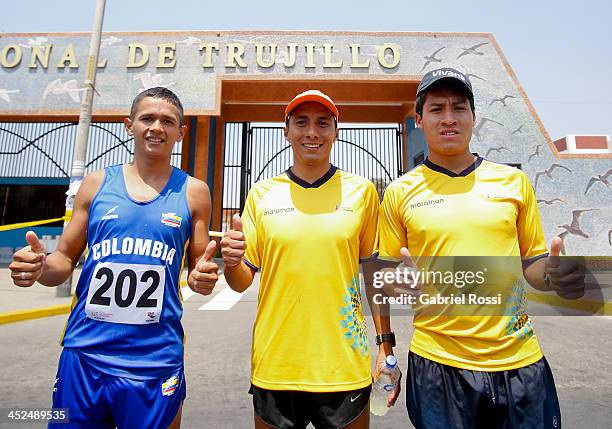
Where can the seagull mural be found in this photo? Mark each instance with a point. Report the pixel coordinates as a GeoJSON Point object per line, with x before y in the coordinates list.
{"type": "Point", "coordinates": [501, 100]}
{"type": "Point", "coordinates": [603, 178]}
{"type": "Point", "coordinates": [472, 50]}
{"type": "Point", "coordinates": [478, 128]}
{"type": "Point", "coordinates": [110, 41]}
{"type": "Point", "coordinates": [548, 173]}
{"type": "Point", "coordinates": [497, 149]}
{"type": "Point", "coordinates": [470, 76]}
{"type": "Point", "coordinates": [519, 130]}
{"type": "Point", "coordinates": [70, 88]}
{"type": "Point", "coordinates": [149, 81]}
{"type": "Point", "coordinates": [550, 202]}
{"type": "Point", "coordinates": [189, 41]}
{"type": "Point", "coordinates": [574, 228]}
{"type": "Point", "coordinates": [4, 94]}
{"type": "Point", "coordinates": [536, 153]}
{"type": "Point", "coordinates": [37, 41]}
{"type": "Point", "coordinates": [432, 58]}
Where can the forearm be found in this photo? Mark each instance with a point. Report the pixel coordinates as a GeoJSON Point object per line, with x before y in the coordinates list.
{"type": "Point", "coordinates": [534, 274]}
{"type": "Point", "coordinates": [56, 270]}
{"type": "Point", "coordinates": [239, 277]}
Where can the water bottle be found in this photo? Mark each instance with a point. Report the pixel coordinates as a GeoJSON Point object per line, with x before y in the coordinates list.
{"type": "Point", "coordinates": [388, 377]}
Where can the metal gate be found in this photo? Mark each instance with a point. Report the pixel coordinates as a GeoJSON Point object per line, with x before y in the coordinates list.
{"type": "Point", "coordinates": [31, 151]}
{"type": "Point", "coordinates": [253, 153]}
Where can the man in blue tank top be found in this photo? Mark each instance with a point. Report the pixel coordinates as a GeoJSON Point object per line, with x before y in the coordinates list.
{"type": "Point", "coordinates": [122, 362]}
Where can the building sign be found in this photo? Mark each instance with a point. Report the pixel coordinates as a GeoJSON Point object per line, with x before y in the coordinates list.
{"type": "Point", "coordinates": [43, 74]}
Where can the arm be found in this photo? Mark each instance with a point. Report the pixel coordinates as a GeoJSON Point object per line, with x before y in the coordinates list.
{"type": "Point", "coordinates": [239, 275]}
{"type": "Point", "coordinates": [54, 269]}
{"type": "Point", "coordinates": [565, 276]}
{"type": "Point", "coordinates": [202, 272]}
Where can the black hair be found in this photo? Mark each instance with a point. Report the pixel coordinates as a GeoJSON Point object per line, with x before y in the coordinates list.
{"type": "Point", "coordinates": [444, 83]}
{"type": "Point", "coordinates": [159, 92]}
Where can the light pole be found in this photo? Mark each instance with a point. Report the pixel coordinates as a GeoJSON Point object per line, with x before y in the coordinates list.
{"type": "Point", "coordinates": [80, 146]}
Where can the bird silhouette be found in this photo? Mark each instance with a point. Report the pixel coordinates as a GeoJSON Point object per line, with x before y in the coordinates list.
{"type": "Point", "coordinates": [478, 128]}
{"type": "Point", "coordinates": [548, 173]}
{"type": "Point", "coordinates": [550, 202]}
{"type": "Point", "coordinates": [37, 41]}
{"type": "Point", "coordinates": [470, 75]}
{"type": "Point", "coordinates": [432, 58]}
{"type": "Point", "coordinates": [603, 178]}
{"type": "Point", "coordinates": [536, 153]}
{"type": "Point", "coordinates": [147, 81]}
{"type": "Point", "coordinates": [575, 228]}
{"type": "Point", "coordinates": [109, 41]}
{"type": "Point", "coordinates": [501, 100]}
{"type": "Point", "coordinates": [472, 50]}
{"type": "Point", "coordinates": [519, 130]}
{"type": "Point", "coordinates": [189, 41]}
{"type": "Point", "coordinates": [497, 149]}
{"type": "Point", "coordinates": [4, 94]}
{"type": "Point", "coordinates": [70, 88]}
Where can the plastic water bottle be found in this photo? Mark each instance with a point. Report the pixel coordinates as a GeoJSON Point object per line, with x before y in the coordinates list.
{"type": "Point", "coordinates": [388, 377]}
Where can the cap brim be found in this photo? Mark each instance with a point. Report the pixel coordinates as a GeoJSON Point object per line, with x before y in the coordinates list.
{"type": "Point", "coordinates": [314, 98]}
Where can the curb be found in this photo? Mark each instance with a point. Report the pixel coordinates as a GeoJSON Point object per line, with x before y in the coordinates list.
{"type": "Point", "coordinates": [36, 313]}
{"type": "Point", "coordinates": [596, 308]}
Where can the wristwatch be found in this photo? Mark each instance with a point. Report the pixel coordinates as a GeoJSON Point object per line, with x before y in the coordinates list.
{"type": "Point", "coordinates": [386, 338]}
{"type": "Point", "coordinates": [546, 280]}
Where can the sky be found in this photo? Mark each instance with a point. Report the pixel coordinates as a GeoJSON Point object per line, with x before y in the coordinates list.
{"type": "Point", "coordinates": [561, 51]}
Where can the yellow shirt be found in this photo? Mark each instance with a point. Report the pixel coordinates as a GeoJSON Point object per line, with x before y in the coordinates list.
{"type": "Point", "coordinates": [487, 211]}
{"type": "Point", "coordinates": [309, 331]}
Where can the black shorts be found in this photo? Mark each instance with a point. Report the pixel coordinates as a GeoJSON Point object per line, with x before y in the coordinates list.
{"type": "Point", "coordinates": [295, 409]}
{"type": "Point", "coordinates": [439, 396]}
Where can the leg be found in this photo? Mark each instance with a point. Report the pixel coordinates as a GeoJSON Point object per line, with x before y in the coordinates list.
{"type": "Point", "coordinates": [79, 388]}
{"type": "Point", "coordinates": [147, 404]}
{"type": "Point", "coordinates": [260, 424]}
{"type": "Point", "coordinates": [531, 397]}
{"type": "Point", "coordinates": [363, 421]}
{"type": "Point", "coordinates": [176, 423]}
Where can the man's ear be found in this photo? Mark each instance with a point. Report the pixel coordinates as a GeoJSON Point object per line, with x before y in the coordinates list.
{"type": "Point", "coordinates": [418, 121]}
{"type": "Point", "coordinates": [127, 122]}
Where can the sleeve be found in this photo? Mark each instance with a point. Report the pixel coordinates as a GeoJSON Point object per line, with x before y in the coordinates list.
{"type": "Point", "coordinates": [369, 225]}
{"type": "Point", "coordinates": [529, 227]}
{"type": "Point", "coordinates": [249, 228]}
{"type": "Point", "coordinates": [391, 229]}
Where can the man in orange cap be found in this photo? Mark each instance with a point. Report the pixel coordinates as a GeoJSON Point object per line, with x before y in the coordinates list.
{"type": "Point", "coordinates": [307, 230]}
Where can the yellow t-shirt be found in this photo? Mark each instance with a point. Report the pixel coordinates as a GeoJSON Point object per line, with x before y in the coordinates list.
{"type": "Point", "coordinates": [487, 211]}
{"type": "Point", "coordinates": [307, 239]}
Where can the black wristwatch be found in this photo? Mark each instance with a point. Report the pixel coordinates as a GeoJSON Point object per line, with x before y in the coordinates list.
{"type": "Point", "coordinates": [386, 338]}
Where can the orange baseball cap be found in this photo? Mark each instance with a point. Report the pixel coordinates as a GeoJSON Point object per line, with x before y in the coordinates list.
{"type": "Point", "coordinates": [312, 95]}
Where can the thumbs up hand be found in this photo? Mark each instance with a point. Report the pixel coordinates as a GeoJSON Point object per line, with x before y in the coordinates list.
{"type": "Point", "coordinates": [407, 267]}
{"type": "Point", "coordinates": [28, 263]}
{"type": "Point", "coordinates": [204, 276]}
{"type": "Point", "coordinates": [233, 244]}
{"type": "Point", "coordinates": [563, 275]}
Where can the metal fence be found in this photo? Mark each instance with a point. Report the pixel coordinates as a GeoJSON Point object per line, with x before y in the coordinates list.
{"type": "Point", "coordinates": [31, 150]}
{"type": "Point", "coordinates": [254, 153]}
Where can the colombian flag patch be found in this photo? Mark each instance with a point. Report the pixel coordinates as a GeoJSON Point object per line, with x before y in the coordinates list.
{"type": "Point", "coordinates": [171, 219]}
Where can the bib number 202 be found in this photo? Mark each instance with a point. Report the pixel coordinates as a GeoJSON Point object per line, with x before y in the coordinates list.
{"type": "Point", "coordinates": [126, 293]}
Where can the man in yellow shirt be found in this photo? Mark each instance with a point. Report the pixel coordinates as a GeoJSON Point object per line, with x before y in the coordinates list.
{"type": "Point", "coordinates": [469, 368]}
{"type": "Point", "coordinates": [306, 230]}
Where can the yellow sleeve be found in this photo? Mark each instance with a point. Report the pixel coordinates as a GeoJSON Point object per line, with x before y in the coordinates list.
{"type": "Point", "coordinates": [367, 236]}
{"type": "Point", "coordinates": [391, 229]}
{"type": "Point", "coordinates": [249, 228]}
{"type": "Point", "coordinates": [529, 227]}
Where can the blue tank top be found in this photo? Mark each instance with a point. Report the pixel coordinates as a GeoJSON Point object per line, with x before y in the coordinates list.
{"type": "Point", "coordinates": [127, 308]}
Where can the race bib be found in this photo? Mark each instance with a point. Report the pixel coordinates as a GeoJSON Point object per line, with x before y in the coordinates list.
{"type": "Point", "coordinates": [126, 293]}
